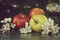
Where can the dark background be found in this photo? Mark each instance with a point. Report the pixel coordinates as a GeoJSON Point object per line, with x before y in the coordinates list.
{"type": "Point", "coordinates": [6, 5]}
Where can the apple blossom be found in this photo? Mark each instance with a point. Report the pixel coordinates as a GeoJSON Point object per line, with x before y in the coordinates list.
{"type": "Point", "coordinates": [50, 27]}
{"type": "Point", "coordinates": [13, 25]}
{"type": "Point", "coordinates": [26, 24]}
{"type": "Point", "coordinates": [53, 7]}
{"type": "Point", "coordinates": [2, 21]}
{"type": "Point", "coordinates": [6, 20]}
{"type": "Point", "coordinates": [27, 28]}
{"type": "Point", "coordinates": [7, 24]}
{"type": "Point", "coordinates": [5, 28]}
{"type": "Point", "coordinates": [23, 30]}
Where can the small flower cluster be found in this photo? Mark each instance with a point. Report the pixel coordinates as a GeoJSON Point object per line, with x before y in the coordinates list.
{"type": "Point", "coordinates": [50, 27]}
{"type": "Point", "coordinates": [6, 20]}
{"type": "Point", "coordinates": [7, 24]}
{"type": "Point", "coordinates": [27, 28]}
{"type": "Point", "coordinates": [53, 7]}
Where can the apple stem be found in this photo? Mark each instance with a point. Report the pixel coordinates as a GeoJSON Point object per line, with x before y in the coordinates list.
{"type": "Point", "coordinates": [35, 20]}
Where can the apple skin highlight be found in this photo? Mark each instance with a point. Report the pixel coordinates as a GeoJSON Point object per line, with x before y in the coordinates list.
{"type": "Point", "coordinates": [35, 11]}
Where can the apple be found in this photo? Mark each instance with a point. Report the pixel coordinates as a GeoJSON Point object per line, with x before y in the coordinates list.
{"type": "Point", "coordinates": [35, 11]}
{"type": "Point", "coordinates": [37, 21]}
{"type": "Point", "coordinates": [20, 20]}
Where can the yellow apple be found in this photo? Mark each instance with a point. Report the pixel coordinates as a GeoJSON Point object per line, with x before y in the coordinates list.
{"type": "Point", "coordinates": [37, 21]}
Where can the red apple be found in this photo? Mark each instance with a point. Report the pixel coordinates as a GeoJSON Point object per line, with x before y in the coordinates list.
{"type": "Point", "coordinates": [20, 20]}
{"type": "Point", "coordinates": [35, 11]}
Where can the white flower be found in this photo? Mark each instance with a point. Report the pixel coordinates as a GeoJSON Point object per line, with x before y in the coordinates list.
{"type": "Point", "coordinates": [51, 21]}
{"type": "Point", "coordinates": [43, 32]}
{"type": "Point", "coordinates": [46, 23]}
{"type": "Point", "coordinates": [5, 19]}
{"type": "Point", "coordinates": [46, 31]}
{"type": "Point", "coordinates": [23, 30]}
{"type": "Point", "coordinates": [53, 7]}
{"type": "Point", "coordinates": [5, 28]}
{"type": "Point", "coordinates": [8, 19]}
{"type": "Point", "coordinates": [13, 25]}
{"type": "Point", "coordinates": [2, 21]}
{"type": "Point", "coordinates": [55, 29]}
{"type": "Point", "coordinates": [7, 24]}
{"type": "Point", "coordinates": [26, 24]}
{"type": "Point", "coordinates": [50, 27]}
{"type": "Point", "coordinates": [27, 29]}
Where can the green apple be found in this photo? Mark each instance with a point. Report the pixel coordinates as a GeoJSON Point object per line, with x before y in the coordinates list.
{"type": "Point", "coordinates": [37, 21]}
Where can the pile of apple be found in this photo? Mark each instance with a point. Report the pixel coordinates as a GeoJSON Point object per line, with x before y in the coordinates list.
{"type": "Point", "coordinates": [36, 18]}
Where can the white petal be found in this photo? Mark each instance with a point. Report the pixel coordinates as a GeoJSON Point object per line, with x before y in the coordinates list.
{"type": "Point", "coordinates": [48, 31]}
{"type": "Point", "coordinates": [57, 31]}
{"type": "Point", "coordinates": [23, 30]}
{"type": "Point", "coordinates": [49, 19]}
{"type": "Point", "coordinates": [47, 8]}
{"type": "Point", "coordinates": [54, 32]}
{"type": "Point", "coordinates": [30, 30]}
{"type": "Point", "coordinates": [43, 32]}
{"type": "Point", "coordinates": [44, 28]}
{"type": "Point", "coordinates": [56, 25]}
{"type": "Point", "coordinates": [9, 19]}
{"type": "Point", "coordinates": [46, 23]}
{"type": "Point", "coordinates": [26, 24]}
{"type": "Point", "coordinates": [4, 25]}
{"type": "Point", "coordinates": [2, 21]}
{"type": "Point", "coordinates": [13, 25]}
{"type": "Point", "coordinates": [58, 28]}
{"type": "Point", "coordinates": [52, 22]}
{"type": "Point", "coordinates": [6, 19]}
